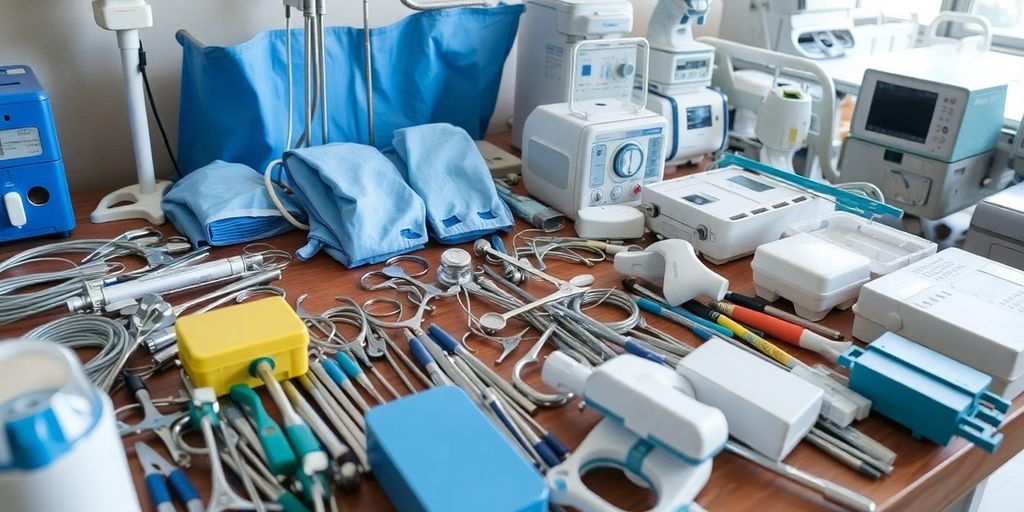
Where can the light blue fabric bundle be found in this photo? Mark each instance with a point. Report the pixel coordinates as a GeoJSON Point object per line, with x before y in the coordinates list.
{"type": "Point", "coordinates": [435, 66]}
{"type": "Point", "coordinates": [360, 210]}
{"type": "Point", "coordinates": [225, 204]}
{"type": "Point", "coordinates": [443, 165]}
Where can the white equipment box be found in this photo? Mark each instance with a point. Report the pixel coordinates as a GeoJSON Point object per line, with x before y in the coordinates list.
{"type": "Point", "coordinates": [960, 304]}
{"type": "Point", "coordinates": [697, 123]}
{"type": "Point", "coordinates": [593, 152]}
{"type": "Point", "coordinates": [726, 213]}
{"type": "Point", "coordinates": [997, 228]}
{"type": "Point", "coordinates": [812, 273]}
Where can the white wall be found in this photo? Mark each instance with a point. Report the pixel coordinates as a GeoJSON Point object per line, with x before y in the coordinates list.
{"type": "Point", "coordinates": [79, 66]}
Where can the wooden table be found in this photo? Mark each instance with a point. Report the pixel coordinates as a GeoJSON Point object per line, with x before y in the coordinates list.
{"type": "Point", "coordinates": [927, 477]}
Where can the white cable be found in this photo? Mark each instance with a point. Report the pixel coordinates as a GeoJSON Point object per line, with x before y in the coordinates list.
{"type": "Point", "coordinates": [268, 182]}
{"type": "Point", "coordinates": [89, 331]}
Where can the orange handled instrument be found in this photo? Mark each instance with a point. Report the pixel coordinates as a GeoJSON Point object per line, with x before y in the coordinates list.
{"type": "Point", "coordinates": [785, 331]}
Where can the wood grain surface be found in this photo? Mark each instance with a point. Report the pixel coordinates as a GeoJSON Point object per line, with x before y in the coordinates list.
{"type": "Point", "coordinates": [927, 477]}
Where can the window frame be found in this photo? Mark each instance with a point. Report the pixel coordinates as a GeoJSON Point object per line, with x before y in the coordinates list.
{"type": "Point", "coordinates": [1000, 42]}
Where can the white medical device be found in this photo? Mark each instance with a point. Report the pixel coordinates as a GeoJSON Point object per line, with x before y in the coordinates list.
{"type": "Point", "coordinates": [681, 71]}
{"type": "Point", "coordinates": [60, 449]}
{"type": "Point", "coordinates": [783, 121]}
{"type": "Point", "coordinates": [997, 228]}
{"type": "Point", "coordinates": [926, 136]}
{"type": "Point", "coordinates": [142, 200]}
{"type": "Point", "coordinates": [813, 29]}
{"type": "Point", "coordinates": [650, 409]}
{"type": "Point", "coordinates": [598, 151]}
{"type": "Point", "coordinates": [726, 213]}
{"type": "Point", "coordinates": [747, 74]}
{"type": "Point", "coordinates": [768, 408]}
{"type": "Point", "coordinates": [548, 33]}
{"type": "Point", "coordinates": [673, 265]}
{"type": "Point", "coordinates": [960, 304]}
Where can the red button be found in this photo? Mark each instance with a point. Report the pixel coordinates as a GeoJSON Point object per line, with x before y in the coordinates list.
{"type": "Point", "coordinates": [636, 190]}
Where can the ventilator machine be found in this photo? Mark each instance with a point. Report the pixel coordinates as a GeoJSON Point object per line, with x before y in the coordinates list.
{"type": "Point", "coordinates": [813, 29]}
{"type": "Point", "coordinates": [679, 85]}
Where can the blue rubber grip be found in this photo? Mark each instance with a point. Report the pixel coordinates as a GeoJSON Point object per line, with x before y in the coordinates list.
{"type": "Point", "coordinates": [708, 324]}
{"type": "Point", "coordinates": [419, 353]}
{"type": "Point", "coordinates": [649, 306]}
{"type": "Point", "coordinates": [348, 365]}
{"type": "Point", "coordinates": [546, 454]}
{"type": "Point", "coordinates": [641, 351]}
{"type": "Point", "coordinates": [157, 487]}
{"type": "Point", "coordinates": [556, 446]}
{"type": "Point", "coordinates": [334, 371]}
{"type": "Point", "coordinates": [703, 333]}
{"type": "Point", "coordinates": [442, 338]}
{"type": "Point", "coordinates": [498, 244]}
{"type": "Point", "coordinates": [182, 487]}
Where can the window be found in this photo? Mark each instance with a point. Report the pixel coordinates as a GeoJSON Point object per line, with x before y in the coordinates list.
{"type": "Point", "coordinates": [1006, 16]}
{"type": "Point", "coordinates": [903, 9]}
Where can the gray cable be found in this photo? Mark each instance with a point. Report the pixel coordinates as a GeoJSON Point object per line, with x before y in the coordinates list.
{"type": "Point", "coordinates": [88, 331]}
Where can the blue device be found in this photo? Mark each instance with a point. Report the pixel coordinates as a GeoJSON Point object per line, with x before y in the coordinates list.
{"type": "Point", "coordinates": [933, 395]}
{"type": "Point", "coordinates": [436, 452]}
{"type": "Point", "coordinates": [33, 187]}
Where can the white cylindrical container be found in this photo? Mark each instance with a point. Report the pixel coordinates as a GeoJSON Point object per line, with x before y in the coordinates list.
{"type": "Point", "coordinates": [59, 448]}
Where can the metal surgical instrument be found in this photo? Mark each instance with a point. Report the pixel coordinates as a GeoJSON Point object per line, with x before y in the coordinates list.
{"type": "Point", "coordinates": [153, 420]}
{"type": "Point", "coordinates": [541, 399]}
{"type": "Point", "coordinates": [493, 322]}
{"type": "Point", "coordinates": [508, 343]}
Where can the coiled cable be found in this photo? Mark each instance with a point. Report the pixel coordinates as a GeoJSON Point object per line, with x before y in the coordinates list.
{"type": "Point", "coordinates": [89, 331]}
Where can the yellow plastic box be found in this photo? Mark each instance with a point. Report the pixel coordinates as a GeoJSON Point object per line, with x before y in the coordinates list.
{"type": "Point", "coordinates": [216, 348]}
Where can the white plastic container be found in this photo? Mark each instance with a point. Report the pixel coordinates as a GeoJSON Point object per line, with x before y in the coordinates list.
{"type": "Point", "coordinates": [959, 304]}
{"type": "Point", "coordinates": [888, 248]}
{"type": "Point", "coordinates": [814, 274]}
{"type": "Point", "coordinates": [767, 408]}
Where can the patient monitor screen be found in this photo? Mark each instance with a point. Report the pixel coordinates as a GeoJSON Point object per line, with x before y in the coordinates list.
{"type": "Point", "coordinates": [902, 112]}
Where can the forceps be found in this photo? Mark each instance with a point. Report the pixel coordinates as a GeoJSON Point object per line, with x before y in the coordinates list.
{"type": "Point", "coordinates": [541, 399]}
{"type": "Point", "coordinates": [492, 322]}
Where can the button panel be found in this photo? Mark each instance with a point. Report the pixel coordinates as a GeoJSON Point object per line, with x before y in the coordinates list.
{"type": "Point", "coordinates": [620, 164]}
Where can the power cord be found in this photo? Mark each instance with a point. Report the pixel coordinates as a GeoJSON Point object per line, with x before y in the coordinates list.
{"type": "Point", "coordinates": [156, 114]}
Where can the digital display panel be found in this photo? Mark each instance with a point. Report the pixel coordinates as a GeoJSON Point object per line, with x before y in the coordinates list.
{"type": "Point", "coordinates": [902, 112]}
{"type": "Point", "coordinates": [698, 117]}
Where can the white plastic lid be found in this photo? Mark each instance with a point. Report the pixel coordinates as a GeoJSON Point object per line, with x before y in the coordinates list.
{"type": "Point", "coordinates": [811, 264]}
{"type": "Point", "coordinates": [888, 248]}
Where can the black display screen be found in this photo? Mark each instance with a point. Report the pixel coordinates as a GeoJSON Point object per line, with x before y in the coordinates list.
{"type": "Point", "coordinates": [902, 112]}
{"type": "Point", "coordinates": [698, 117]}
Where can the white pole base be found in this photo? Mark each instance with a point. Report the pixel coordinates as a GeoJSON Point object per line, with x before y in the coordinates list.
{"type": "Point", "coordinates": [139, 205]}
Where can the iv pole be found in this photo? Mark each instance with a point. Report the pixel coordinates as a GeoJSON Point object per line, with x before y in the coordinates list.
{"type": "Point", "coordinates": [125, 18]}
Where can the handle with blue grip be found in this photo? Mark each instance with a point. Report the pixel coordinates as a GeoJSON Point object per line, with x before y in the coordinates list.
{"type": "Point", "coordinates": [556, 446]}
{"type": "Point", "coordinates": [334, 371]}
{"type": "Point", "coordinates": [158, 492]}
{"type": "Point", "coordinates": [419, 353]}
{"type": "Point", "coordinates": [182, 487]}
{"type": "Point", "coordinates": [641, 351]}
{"type": "Point", "coordinates": [281, 459]}
{"type": "Point", "coordinates": [348, 365]}
{"type": "Point", "coordinates": [701, 330]}
{"type": "Point", "coordinates": [443, 339]}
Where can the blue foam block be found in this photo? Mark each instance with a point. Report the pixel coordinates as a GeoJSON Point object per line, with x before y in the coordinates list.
{"type": "Point", "coordinates": [435, 451]}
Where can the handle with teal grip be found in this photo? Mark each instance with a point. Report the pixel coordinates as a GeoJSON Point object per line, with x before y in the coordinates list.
{"type": "Point", "coordinates": [281, 459]}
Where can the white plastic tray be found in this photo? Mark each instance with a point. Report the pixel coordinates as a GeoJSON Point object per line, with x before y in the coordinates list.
{"type": "Point", "coordinates": [888, 248]}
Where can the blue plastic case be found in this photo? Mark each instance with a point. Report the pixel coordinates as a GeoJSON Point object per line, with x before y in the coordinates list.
{"type": "Point", "coordinates": [31, 169]}
{"type": "Point", "coordinates": [435, 451]}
